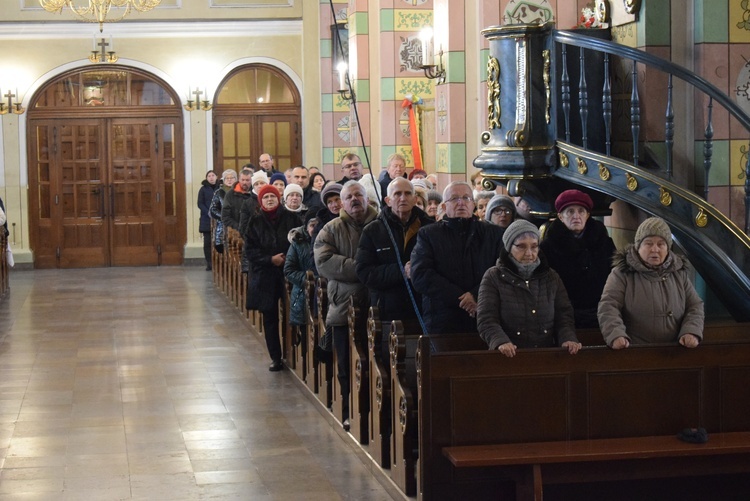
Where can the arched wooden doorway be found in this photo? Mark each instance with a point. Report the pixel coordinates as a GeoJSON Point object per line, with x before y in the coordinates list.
{"type": "Point", "coordinates": [106, 171]}
{"type": "Point", "coordinates": [257, 110]}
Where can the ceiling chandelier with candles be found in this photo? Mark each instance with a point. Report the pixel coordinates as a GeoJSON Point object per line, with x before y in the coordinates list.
{"type": "Point", "coordinates": [99, 11]}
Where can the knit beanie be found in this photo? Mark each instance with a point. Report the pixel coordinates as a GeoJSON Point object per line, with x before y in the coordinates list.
{"type": "Point", "coordinates": [259, 176]}
{"type": "Point", "coordinates": [434, 196]}
{"type": "Point", "coordinates": [573, 197]}
{"type": "Point", "coordinates": [278, 176]}
{"type": "Point", "coordinates": [328, 190]}
{"type": "Point", "coordinates": [422, 183]}
{"type": "Point", "coordinates": [500, 201]}
{"type": "Point", "coordinates": [265, 189]}
{"type": "Point", "coordinates": [292, 188]}
{"type": "Point", "coordinates": [516, 229]}
{"type": "Point", "coordinates": [653, 227]}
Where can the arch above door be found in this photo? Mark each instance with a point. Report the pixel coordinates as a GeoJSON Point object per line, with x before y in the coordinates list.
{"type": "Point", "coordinates": [257, 109]}
{"type": "Point", "coordinates": [106, 170]}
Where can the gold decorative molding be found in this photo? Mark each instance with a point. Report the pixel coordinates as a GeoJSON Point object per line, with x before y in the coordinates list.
{"type": "Point", "coordinates": [564, 160]}
{"type": "Point", "coordinates": [701, 219]}
{"type": "Point", "coordinates": [547, 88]}
{"type": "Point", "coordinates": [631, 182]}
{"type": "Point", "coordinates": [486, 136]}
{"type": "Point", "coordinates": [602, 11]}
{"type": "Point", "coordinates": [665, 197]}
{"type": "Point", "coordinates": [493, 93]}
{"type": "Point", "coordinates": [582, 168]}
{"type": "Point", "coordinates": [604, 173]}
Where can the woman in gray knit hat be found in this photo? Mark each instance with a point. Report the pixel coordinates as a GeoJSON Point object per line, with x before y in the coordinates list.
{"type": "Point", "coordinates": [522, 301]}
{"type": "Point", "coordinates": [649, 297]}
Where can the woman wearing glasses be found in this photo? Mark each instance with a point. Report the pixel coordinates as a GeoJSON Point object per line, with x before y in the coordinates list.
{"type": "Point", "coordinates": [522, 301]}
{"type": "Point", "coordinates": [580, 250]}
{"type": "Point", "coordinates": [501, 211]}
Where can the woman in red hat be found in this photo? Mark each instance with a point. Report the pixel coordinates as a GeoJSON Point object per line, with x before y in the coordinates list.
{"type": "Point", "coordinates": [580, 250]}
{"type": "Point", "coordinates": [266, 245]}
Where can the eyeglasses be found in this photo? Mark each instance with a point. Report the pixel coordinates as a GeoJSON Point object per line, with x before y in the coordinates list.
{"type": "Point", "coordinates": [498, 212]}
{"type": "Point", "coordinates": [523, 248]}
{"type": "Point", "coordinates": [465, 199]}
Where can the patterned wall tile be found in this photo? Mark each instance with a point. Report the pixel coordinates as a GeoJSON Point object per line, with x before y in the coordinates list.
{"type": "Point", "coordinates": [451, 158]}
{"type": "Point", "coordinates": [416, 86]}
{"type": "Point", "coordinates": [626, 34]}
{"type": "Point", "coordinates": [409, 57]}
{"type": "Point", "coordinates": [411, 20]}
{"type": "Point", "coordinates": [738, 157]}
{"type": "Point", "coordinates": [739, 22]}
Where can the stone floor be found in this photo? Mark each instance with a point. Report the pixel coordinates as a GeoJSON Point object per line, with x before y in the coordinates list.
{"type": "Point", "coordinates": [144, 383]}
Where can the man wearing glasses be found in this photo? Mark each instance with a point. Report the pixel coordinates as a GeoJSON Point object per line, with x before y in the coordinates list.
{"type": "Point", "coordinates": [351, 167]}
{"type": "Point", "coordinates": [449, 260]}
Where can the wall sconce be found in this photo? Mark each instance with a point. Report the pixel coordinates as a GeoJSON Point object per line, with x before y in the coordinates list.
{"type": "Point", "coordinates": [10, 106]}
{"type": "Point", "coordinates": [198, 103]}
{"type": "Point", "coordinates": [101, 53]}
{"type": "Point", "coordinates": [345, 90]}
{"type": "Point", "coordinates": [432, 70]}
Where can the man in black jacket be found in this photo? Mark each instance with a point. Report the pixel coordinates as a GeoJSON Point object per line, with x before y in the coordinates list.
{"type": "Point", "coordinates": [377, 260]}
{"type": "Point", "coordinates": [233, 200]}
{"type": "Point", "coordinates": [449, 261]}
{"type": "Point", "coordinates": [351, 166]}
{"type": "Point", "coordinates": [310, 197]}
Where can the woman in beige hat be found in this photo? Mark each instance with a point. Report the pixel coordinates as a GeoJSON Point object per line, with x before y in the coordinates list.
{"type": "Point", "coordinates": [649, 297]}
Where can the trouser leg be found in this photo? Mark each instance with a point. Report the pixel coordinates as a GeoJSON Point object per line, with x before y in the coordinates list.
{"type": "Point", "coordinates": [341, 345]}
{"type": "Point", "coordinates": [207, 249]}
{"type": "Point", "coordinates": [271, 328]}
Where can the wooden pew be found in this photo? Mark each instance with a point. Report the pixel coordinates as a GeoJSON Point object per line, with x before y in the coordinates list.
{"type": "Point", "coordinates": [476, 398]}
{"type": "Point", "coordinates": [380, 392]}
{"type": "Point", "coordinates": [314, 368]}
{"type": "Point", "coordinates": [4, 268]}
{"type": "Point", "coordinates": [359, 371]}
{"type": "Point", "coordinates": [327, 375]}
{"type": "Point", "coordinates": [404, 435]}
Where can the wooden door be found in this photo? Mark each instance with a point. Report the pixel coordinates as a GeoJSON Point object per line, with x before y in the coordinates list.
{"type": "Point", "coordinates": [106, 193]}
{"type": "Point", "coordinates": [242, 139]}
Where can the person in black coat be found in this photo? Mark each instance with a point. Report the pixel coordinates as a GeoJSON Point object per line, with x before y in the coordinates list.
{"type": "Point", "coordinates": [205, 196]}
{"type": "Point", "coordinates": [449, 261]}
{"type": "Point", "coordinates": [299, 259]}
{"type": "Point", "coordinates": [580, 250]}
{"type": "Point", "coordinates": [266, 244]}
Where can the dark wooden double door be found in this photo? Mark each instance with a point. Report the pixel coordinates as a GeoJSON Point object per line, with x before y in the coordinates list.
{"type": "Point", "coordinates": [106, 192]}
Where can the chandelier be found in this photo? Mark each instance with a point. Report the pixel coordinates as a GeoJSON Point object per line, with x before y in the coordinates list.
{"type": "Point", "coordinates": [100, 11]}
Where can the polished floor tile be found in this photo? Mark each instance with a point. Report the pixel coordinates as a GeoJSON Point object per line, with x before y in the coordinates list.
{"type": "Point", "coordinates": [145, 384]}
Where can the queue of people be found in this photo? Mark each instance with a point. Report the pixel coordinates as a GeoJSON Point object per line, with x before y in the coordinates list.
{"type": "Point", "coordinates": [430, 255]}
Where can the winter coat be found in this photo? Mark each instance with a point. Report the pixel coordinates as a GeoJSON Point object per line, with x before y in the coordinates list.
{"type": "Point", "coordinates": [230, 211]}
{"type": "Point", "coordinates": [334, 249]}
{"type": "Point", "coordinates": [299, 260]}
{"type": "Point", "coordinates": [534, 313]}
{"type": "Point", "coordinates": [265, 238]}
{"type": "Point", "coordinates": [250, 207]}
{"type": "Point", "coordinates": [311, 199]}
{"type": "Point", "coordinates": [205, 197]}
{"type": "Point", "coordinates": [378, 268]}
{"type": "Point", "coordinates": [647, 305]}
{"type": "Point", "coordinates": [583, 264]}
{"type": "Point", "coordinates": [449, 259]}
{"type": "Point", "coordinates": [5, 223]}
{"type": "Point", "coordinates": [217, 202]}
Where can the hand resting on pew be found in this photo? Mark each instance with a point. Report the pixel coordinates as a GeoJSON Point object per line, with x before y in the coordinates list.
{"type": "Point", "coordinates": [509, 349]}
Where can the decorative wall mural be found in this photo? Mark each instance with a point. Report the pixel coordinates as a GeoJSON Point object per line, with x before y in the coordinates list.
{"type": "Point", "coordinates": [414, 3]}
{"type": "Point", "coordinates": [403, 123]}
{"type": "Point", "coordinates": [410, 53]}
{"type": "Point", "coordinates": [528, 12]}
{"type": "Point", "coordinates": [742, 89]}
{"type": "Point", "coordinates": [343, 129]}
{"type": "Point", "coordinates": [442, 108]}
{"type": "Point", "coordinates": [411, 20]}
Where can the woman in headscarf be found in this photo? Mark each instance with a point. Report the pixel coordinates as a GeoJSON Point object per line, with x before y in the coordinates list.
{"type": "Point", "coordinates": [522, 301]}
{"type": "Point", "coordinates": [649, 297]}
{"type": "Point", "coordinates": [266, 245]}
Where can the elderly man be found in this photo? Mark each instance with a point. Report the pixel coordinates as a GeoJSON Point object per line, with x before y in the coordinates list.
{"type": "Point", "coordinates": [449, 260]}
{"type": "Point", "coordinates": [334, 249]}
{"type": "Point", "coordinates": [351, 167]}
{"type": "Point", "coordinates": [379, 258]}
{"type": "Point", "coordinates": [266, 163]}
{"type": "Point", "coordinates": [395, 166]}
{"type": "Point", "coordinates": [233, 200]}
{"type": "Point", "coordinates": [310, 197]}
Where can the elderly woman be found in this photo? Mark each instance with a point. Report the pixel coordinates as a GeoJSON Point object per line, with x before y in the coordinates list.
{"type": "Point", "coordinates": [228, 178]}
{"type": "Point", "coordinates": [648, 297]}
{"type": "Point", "coordinates": [293, 200]}
{"type": "Point", "coordinates": [481, 200]}
{"type": "Point", "coordinates": [266, 246]}
{"type": "Point", "coordinates": [522, 301]}
{"type": "Point", "coordinates": [501, 211]}
{"type": "Point", "coordinates": [580, 250]}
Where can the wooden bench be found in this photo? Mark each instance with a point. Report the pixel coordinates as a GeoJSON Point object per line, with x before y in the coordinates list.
{"type": "Point", "coordinates": [481, 398]}
{"type": "Point", "coordinates": [380, 392]}
{"type": "Point", "coordinates": [312, 369]}
{"type": "Point", "coordinates": [359, 373]}
{"type": "Point", "coordinates": [327, 374]}
{"type": "Point", "coordinates": [627, 458]}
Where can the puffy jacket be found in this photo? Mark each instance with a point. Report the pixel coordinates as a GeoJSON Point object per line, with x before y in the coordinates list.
{"type": "Point", "coordinates": [647, 305]}
{"type": "Point", "coordinates": [532, 313]}
{"type": "Point", "coordinates": [583, 264]}
{"type": "Point", "coordinates": [299, 260]}
{"type": "Point", "coordinates": [265, 238]}
{"type": "Point", "coordinates": [377, 267]}
{"type": "Point", "coordinates": [449, 259]}
{"type": "Point", "coordinates": [217, 202]}
{"type": "Point", "coordinates": [334, 249]}
{"type": "Point", "coordinates": [230, 210]}
{"type": "Point", "coordinates": [205, 197]}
